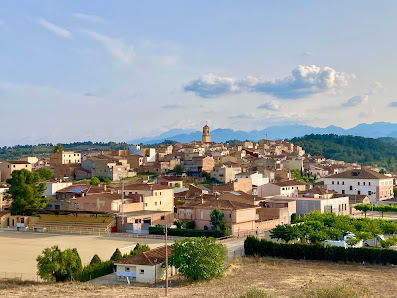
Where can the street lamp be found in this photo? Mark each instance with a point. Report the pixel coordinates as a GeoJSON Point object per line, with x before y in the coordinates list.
{"type": "Point", "coordinates": [155, 271]}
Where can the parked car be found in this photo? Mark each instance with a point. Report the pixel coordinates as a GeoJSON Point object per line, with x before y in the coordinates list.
{"type": "Point", "coordinates": [344, 242]}
{"type": "Point", "coordinates": [374, 242]}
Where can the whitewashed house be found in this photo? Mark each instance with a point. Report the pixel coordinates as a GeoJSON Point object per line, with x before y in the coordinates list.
{"type": "Point", "coordinates": [145, 267]}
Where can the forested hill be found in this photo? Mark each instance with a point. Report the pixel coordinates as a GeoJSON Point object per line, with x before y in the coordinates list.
{"type": "Point", "coordinates": [44, 150]}
{"type": "Point", "coordinates": [366, 151]}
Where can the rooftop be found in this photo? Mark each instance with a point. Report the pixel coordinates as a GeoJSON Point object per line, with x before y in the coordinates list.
{"type": "Point", "coordinates": [144, 186]}
{"type": "Point", "coordinates": [359, 174]}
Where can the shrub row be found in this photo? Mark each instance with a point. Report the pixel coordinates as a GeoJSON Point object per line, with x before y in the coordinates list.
{"type": "Point", "coordinates": [186, 232]}
{"type": "Point", "coordinates": [97, 270]}
{"type": "Point", "coordinates": [253, 246]}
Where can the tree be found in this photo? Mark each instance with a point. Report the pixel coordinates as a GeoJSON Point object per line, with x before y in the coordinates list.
{"type": "Point", "coordinates": [116, 255]}
{"type": "Point", "coordinates": [178, 169]}
{"type": "Point", "coordinates": [382, 171]}
{"type": "Point", "coordinates": [107, 180]}
{"type": "Point", "coordinates": [391, 241]}
{"type": "Point", "coordinates": [363, 207]}
{"type": "Point", "coordinates": [216, 217]}
{"type": "Point", "coordinates": [285, 232]}
{"type": "Point", "coordinates": [178, 224]}
{"type": "Point", "coordinates": [139, 248]}
{"type": "Point", "coordinates": [95, 260]}
{"type": "Point", "coordinates": [26, 191]}
{"type": "Point", "coordinates": [58, 148]}
{"type": "Point", "coordinates": [198, 258]}
{"type": "Point", "coordinates": [177, 184]}
{"type": "Point", "coordinates": [94, 181]}
{"type": "Point", "coordinates": [45, 173]}
{"type": "Point", "coordinates": [53, 264]}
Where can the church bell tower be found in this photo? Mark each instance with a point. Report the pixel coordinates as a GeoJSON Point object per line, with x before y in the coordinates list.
{"type": "Point", "coordinates": [206, 138]}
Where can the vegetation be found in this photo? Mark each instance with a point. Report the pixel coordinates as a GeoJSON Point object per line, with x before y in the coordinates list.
{"type": "Point", "coordinates": [94, 181]}
{"type": "Point", "coordinates": [54, 264]}
{"type": "Point", "coordinates": [139, 248]}
{"type": "Point", "coordinates": [255, 293]}
{"type": "Point", "coordinates": [198, 258]}
{"type": "Point", "coordinates": [45, 173]}
{"type": "Point", "coordinates": [366, 151]}
{"type": "Point", "coordinates": [381, 208]}
{"type": "Point", "coordinates": [307, 177]}
{"type": "Point", "coordinates": [95, 260]}
{"type": "Point", "coordinates": [44, 150]}
{"type": "Point", "coordinates": [26, 192]}
{"type": "Point", "coordinates": [58, 148]}
{"type": "Point", "coordinates": [255, 247]}
{"type": "Point", "coordinates": [316, 227]}
{"type": "Point", "coordinates": [216, 218]}
{"type": "Point", "coordinates": [95, 270]}
{"type": "Point", "coordinates": [116, 255]}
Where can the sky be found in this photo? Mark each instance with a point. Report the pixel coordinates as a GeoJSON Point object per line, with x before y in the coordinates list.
{"type": "Point", "coordinates": [119, 70]}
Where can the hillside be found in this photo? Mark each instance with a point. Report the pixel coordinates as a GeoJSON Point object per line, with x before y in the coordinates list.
{"type": "Point", "coordinates": [276, 277]}
{"type": "Point", "coordinates": [44, 150]}
{"type": "Point", "coordinates": [366, 151]}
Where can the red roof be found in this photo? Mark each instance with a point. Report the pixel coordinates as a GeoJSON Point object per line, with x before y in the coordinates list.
{"type": "Point", "coordinates": [147, 258]}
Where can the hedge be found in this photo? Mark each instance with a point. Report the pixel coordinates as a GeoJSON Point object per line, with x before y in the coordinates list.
{"type": "Point", "coordinates": [186, 232]}
{"type": "Point", "coordinates": [97, 270]}
{"type": "Point", "coordinates": [255, 247]}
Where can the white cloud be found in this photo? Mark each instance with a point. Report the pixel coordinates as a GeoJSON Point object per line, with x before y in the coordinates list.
{"type": "Point", "coordinates": [87, 17]}
{"type": "Point", "coordinates": [375, 88]}
{"type": "Point", "coordinates": [356, 101]}
{"type": "Point", "coordinates": [55, 29]}
{"type": "Point", "coordinates": [303, 81]}
{"type": "Point", "coordinates": [271, 105]}
{"type": "Point", "coordinates": [119, 50]}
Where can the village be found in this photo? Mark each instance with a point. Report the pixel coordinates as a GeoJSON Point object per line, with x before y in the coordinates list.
{"type": "Point", "coordinates": [253, 187]}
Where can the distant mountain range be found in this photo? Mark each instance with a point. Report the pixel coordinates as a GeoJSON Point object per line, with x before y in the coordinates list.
{"type": "Point", "coordinates": [374, 130]}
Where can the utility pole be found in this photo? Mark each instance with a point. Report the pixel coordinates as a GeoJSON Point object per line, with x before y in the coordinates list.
{"type": "Point", "coordinates": [166, 260]}
{"type": "Point", "coordinates": [122, 204]}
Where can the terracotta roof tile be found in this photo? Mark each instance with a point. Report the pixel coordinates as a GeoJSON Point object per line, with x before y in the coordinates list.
{"type": "Point", "coordinates": [147, 258]}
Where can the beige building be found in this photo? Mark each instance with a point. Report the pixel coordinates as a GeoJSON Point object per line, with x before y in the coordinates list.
{"type": "Point", "coordinates": [7, 167]}
{"type": "Point", "coordinates": [64, 157]}
{"type": "Point", "coordinates": [156, 197]}
{"type": "Point", "coordinates": [225, 173]}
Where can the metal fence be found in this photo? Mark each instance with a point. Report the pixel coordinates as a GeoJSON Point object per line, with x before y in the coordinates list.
{"type": "Point", "coordinates": [20, 276]}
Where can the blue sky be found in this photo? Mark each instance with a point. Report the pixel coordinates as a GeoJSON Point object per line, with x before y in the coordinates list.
{"type": "Point", "coordinates": [104, 70]}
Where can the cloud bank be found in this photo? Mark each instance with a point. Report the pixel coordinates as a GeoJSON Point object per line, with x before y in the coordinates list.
{"type": "Point", "coordinates": [303, 82]}
{"type": "Point", "coordinates": [356, 101]}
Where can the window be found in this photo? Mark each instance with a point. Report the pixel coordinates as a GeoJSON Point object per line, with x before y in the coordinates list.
{"type": "Point", "coordinates": [343, 182]}
{"type": "Point", "coordinates": [343, 191]}
{"type": "Point", "coordinates": [201, 215]}
{"type": "Point", "coordinates": [141, 271]}
{"type": "Point", "coordinates": [333, 182]}
{"type": "Point", "coordinates": [127, 269]}
{"type": "Point", "coordinates": [160, 202]}
{"type": "Point", "coordinates": [358, 183]}
{"type": "Point", "coordinates": [359, 192]}
{"type": "Point", "coordinates": [364, 183]}
{"type": "Point", "coordinates": [369, 193]}
{"type": "Point", "coordinates": [337, 182]}
{"type": "Point", "coordinates": [345, 207]}
{"type": "Point", "coordinates": [13, 166]}
{"type": "Point", "coordinates": [145, 204]}
{"type": "Point", "coordinates": [369, 183]}
{"type": "Point", "coordinates": [155, 203]}
{"type": "Point", "coordinates": [351, 187]}
{"type": "Point", "coordinates": [162, 217]}
{"type": "Point", "coordinates": [230, 215]}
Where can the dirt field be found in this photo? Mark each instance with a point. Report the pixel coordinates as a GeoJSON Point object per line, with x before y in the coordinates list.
{"type": "Point", "coordinates": [20, 249]}
{"type": "Point", "coordinates": [278, 278]}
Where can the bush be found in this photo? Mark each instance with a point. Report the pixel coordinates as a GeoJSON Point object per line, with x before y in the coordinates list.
{"type": "Point", "coordinates": [255, 293]}
{"type": "Point", "coordinates": [255, 247]}
{"type": "Point", "coordinates": [95, 260]}
{"type": "Point", "coordinates": [97, 270]}
{"type": "Point", "coordinates": [189, 225]}
{"type": "Point", "coordinates": [293, 218]}
{"type": "Point", "coordinates": [186, 232]}
{"type": "Point", "coordinates": [116, 255]}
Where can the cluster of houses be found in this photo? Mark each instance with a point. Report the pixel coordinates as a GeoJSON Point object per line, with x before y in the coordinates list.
{"type": "Point", "coordinates": [251, 183]}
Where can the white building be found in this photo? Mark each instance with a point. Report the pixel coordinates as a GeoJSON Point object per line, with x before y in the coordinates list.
{"type": "Point", "coordinates": [257, 178]}
{"type": "Point", "coordinates": [361, 182]}
{"type": "Point", "coordinates": [145, 267]}
{"type": "Point", "coordinates": [288, 188]}
{"type": "Point", "coordinates": [304, 205]}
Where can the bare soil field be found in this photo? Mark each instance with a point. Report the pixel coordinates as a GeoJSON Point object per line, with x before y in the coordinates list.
{"type": "Point", "coordinates": [18, 250]}
{"type": "Point", "coordinates": [278, 278]}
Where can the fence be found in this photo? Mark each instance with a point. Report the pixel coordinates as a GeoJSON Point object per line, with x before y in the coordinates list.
{"type": "Point", "coordinates": [145, 236]}
{"type": "Point", "coordinates": [20, 276]}
{"type": "Point", "coordinates": [238, 252]}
